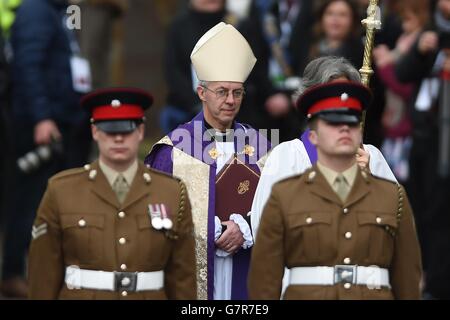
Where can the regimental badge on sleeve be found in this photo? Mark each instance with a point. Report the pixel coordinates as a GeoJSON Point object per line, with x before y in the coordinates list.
{"type": "Point", "coordinates": [39, 230]}
{"type": "Point", "coordinates": [160, 216]}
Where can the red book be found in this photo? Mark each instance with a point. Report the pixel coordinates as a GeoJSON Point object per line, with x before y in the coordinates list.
{"type": "Point", "coordinates": [235, 188]}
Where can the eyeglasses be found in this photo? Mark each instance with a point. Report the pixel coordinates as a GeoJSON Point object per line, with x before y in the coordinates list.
{"type": "Point", "coordinates": [222, 93]}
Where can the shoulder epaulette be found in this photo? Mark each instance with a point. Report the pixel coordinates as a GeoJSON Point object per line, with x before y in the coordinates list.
{"type": "Point", "coordinates": [156, 171]}
{"type": "Point", "coordinates": [384, 179]}
{"type": "Point", "coordinates": [68, 173]}
{"type": "Point", "coordinates": [294, 177]}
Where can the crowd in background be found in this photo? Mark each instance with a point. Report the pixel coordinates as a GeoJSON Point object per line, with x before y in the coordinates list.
{"type": "Point", "coordinates": [38, 103]}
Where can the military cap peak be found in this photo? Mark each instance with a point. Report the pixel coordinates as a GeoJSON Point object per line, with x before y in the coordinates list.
{"type": "Point", "coordinates": [117, 110]}
{"type": "Point", "coordinates": [335, 102]}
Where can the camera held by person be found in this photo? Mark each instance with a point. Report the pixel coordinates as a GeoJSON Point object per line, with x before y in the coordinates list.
{"type": "Point", "coordinates": [34, 159]}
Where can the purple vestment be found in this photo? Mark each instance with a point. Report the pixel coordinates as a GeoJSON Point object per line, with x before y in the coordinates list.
{"type": "Point", "coordinates": [192, 140]}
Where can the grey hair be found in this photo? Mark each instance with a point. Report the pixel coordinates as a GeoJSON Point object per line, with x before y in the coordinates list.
{"type": "Point", "coordinates": [325, 69]}
{"type": "Point", "coordinates": [203, 83]}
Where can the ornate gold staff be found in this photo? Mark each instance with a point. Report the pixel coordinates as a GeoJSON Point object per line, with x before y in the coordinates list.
{"type": "Point", "coordinates": [372, 22]}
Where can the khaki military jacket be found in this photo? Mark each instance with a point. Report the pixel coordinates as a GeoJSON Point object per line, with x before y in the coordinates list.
{"type": "Point", "coordinates": [81, 223]}
{"type": "Point", "coordinates": [305, 224]}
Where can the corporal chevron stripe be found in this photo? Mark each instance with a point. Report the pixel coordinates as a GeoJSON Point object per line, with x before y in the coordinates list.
{"type": "Point", "coordinates": [38, 231]}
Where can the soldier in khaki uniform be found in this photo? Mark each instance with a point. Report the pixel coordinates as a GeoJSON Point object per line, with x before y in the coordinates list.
{"type": "Point", "coordinates": [114, 229]}
{"type": "Point", "coordinates": [343, 233]}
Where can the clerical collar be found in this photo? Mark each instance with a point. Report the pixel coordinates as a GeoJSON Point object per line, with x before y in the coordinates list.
{"type": "Point", "coordinates": [219, 136]}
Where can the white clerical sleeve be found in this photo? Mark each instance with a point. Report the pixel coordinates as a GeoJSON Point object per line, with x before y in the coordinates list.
{"type": "Point", "coordinates": [378, 165]}
{"type": "Point", "coordinates": [217, 234]}
{"type": "Point", "coordinates": [285, 160]}
{"type": "Point", "coordinates": [244, 228]}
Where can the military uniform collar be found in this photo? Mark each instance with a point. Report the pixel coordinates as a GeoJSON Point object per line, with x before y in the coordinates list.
{"type": "Point", "coordinates": [320, 186]}
{"type": "Point", "coordinates": [360, 187]}
{"type": "Point", "coordinates": [111, 174]}
{"type": "Point", "coordinates": [330, 175]}
{"type": "Point", "coordinates": [101, 187]}
{"type": "Point", "coordinates": [140, 187]}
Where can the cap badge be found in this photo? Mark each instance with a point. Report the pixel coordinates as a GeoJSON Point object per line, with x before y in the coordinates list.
{"type": "Point", "coordinates": [116, 103]}
{"type": "Point", "coordinates": [344, 96]}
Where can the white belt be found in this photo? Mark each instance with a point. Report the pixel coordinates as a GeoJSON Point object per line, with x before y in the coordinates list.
{"type": "Point", "coordinates": [77, 278]}
{"type": "Point", "coordinates": [373, 277]}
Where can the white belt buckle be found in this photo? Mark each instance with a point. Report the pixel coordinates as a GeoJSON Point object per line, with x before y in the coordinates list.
{"type": "Point", "coordinates": [345, 274]}
{"type": "Point", "coordinates": [125, 281]}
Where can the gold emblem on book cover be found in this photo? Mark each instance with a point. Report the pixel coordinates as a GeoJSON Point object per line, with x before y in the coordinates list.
{"type": "Point", "coordinates": [243, 187]}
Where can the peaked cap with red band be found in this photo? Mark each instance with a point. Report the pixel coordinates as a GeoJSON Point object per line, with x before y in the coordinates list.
{"type": "Point", "coordinates": [335, 102]}
{"type": "Point", "coordinates": [117, 109]}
